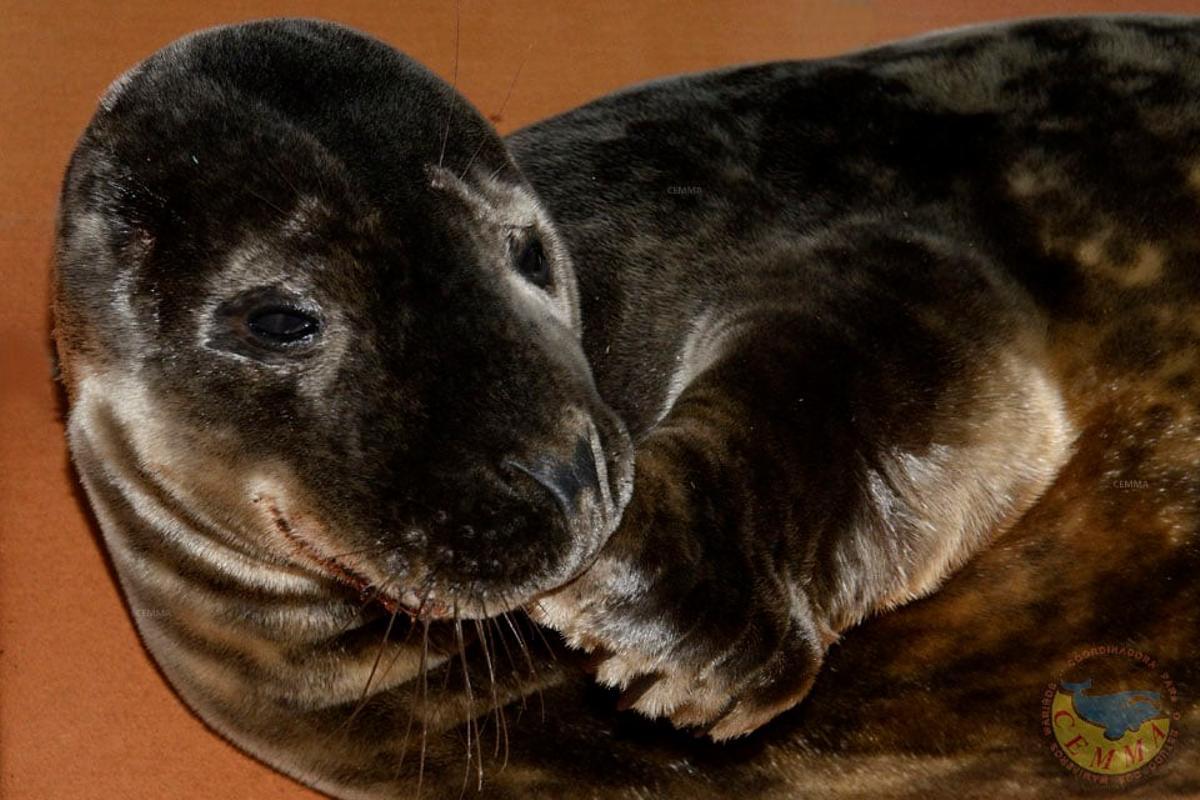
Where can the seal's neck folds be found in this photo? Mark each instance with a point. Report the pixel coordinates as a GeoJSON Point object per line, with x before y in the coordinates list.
{"type": "Point", "coordinates": [226, 621]}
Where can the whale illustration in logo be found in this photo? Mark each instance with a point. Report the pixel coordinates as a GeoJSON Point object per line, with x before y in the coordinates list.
{"type": "Point", "coordinates": [1116, 713]}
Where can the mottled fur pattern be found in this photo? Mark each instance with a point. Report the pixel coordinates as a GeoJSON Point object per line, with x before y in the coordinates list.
{"type": "Point", "coordinates": [903, 344]}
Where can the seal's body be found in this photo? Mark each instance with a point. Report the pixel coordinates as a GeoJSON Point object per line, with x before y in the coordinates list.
{"type": "Point", "coordinates": [350, 373]}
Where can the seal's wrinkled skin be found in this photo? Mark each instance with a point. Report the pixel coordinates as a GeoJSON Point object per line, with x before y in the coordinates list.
{"type": "Point", "coordinates": [705, 375]}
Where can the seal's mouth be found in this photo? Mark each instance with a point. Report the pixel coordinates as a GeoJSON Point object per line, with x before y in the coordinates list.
{"type": "Point", "coordinates": [352, 576]}
{"type": "Point", "coordinates": [301, 539]}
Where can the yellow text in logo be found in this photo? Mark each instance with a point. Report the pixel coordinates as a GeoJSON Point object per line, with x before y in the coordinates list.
{"type": "Point", "coordinates": [1086, 745]}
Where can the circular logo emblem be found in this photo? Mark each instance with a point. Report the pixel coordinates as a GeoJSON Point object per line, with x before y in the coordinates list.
{"type": "Point", "coordinates": [1111, 717]}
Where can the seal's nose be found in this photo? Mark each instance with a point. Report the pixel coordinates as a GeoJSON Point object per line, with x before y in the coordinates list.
{"type": "Point", "coordinates": [566, 479]}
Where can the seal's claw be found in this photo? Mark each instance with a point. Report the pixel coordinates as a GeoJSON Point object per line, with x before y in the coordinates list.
{"type": "Point", "coordinates": [752, 711]}
{"type": "Point", "coordinates": [779, 684]}
{"type": "Point", "coordinates": [637, 690]}
{"type": "Point", "coordinates": [752, 679]}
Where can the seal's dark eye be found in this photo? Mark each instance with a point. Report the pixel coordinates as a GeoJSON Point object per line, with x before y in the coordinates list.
{"type": "Point", "coordinates": [280, 325]}
{"type": "Point", "coordinates": [530, 260]}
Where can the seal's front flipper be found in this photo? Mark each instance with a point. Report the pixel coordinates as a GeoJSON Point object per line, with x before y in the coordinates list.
{"type": "Point", "coordinates": [823, 461]}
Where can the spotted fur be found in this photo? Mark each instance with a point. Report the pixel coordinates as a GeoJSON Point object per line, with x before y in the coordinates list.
{"type": "Point", "coordinates": [904, 343]}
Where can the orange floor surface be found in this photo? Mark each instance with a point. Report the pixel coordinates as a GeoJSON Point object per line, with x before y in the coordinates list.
{"type": "Point", "coordinates": [83, 712]}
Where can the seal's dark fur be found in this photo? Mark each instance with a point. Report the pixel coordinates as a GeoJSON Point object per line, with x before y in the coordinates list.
{"type": "Point", "coordinates": [864, 319]}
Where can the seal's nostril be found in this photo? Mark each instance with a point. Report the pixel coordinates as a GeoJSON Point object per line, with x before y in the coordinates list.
{"type": "Point", "coordinates": [565, 480]}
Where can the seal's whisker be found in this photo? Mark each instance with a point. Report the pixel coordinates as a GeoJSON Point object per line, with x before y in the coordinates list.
{"type": "Point", "coordinates": [400, 645]}
{"type": "Point", "coordinates": [362, 698]}
{"type": "Point", "coordinates": [399, 652]}
{"type": "Point", "coordinates": [344, 726]}
{"type": "Point", "coordinates": [538, 630]}
{"type": "Point", "coordinates": [454, 82]}
{"type": "Point", "coordinates": [516, 632]}
{"type": "Point", "coordinates": [344, 729]}
{"type": "Point", "coordinates": [528, 660]}
{"type": "Point", "coordinates": [470, 702]}
{"type": "Point", "coordinates": [363, 603]}
{"type": "Point", "coordinates": [282, 176]}
{"type": "Point", "coordinates": [258, 196]}
{"type": "Point", "coordinates": [424, 706]}
{"type": "Point", "coordinates": [472, 721]}
{"type": "Point", "coordinates": [419, 685]}
{"type": "Point", "coordinates": [373, 549]}
{"type": "Point", "coordinates": [493, 623]}
{"type": "Point", "coordinates": [411, 715]}
{"type": "Point", "coordinates": [424, 670]}
{"type": "Point", "coordinates": [512, 85]}
{"type": "Point", "coordinates": [497, 708]}
{"type": "Point", "coordinates": [496, 172]}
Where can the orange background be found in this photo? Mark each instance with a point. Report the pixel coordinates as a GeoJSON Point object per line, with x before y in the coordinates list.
{"type": "Point", "coordinates": [82, 711]}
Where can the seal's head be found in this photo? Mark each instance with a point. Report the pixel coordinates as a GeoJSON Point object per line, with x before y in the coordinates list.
{"type": "Point", "coordinates": [304, 284]}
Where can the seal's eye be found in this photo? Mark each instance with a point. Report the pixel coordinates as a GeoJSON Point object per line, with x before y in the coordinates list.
{"type": "Point", "coordinates": [276, 325]}
{"type": "Point", "coordinates": [530, 260]}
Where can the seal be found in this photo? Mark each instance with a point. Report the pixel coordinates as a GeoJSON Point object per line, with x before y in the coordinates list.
{"type": "Point", "coordinates": [355, 385]}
